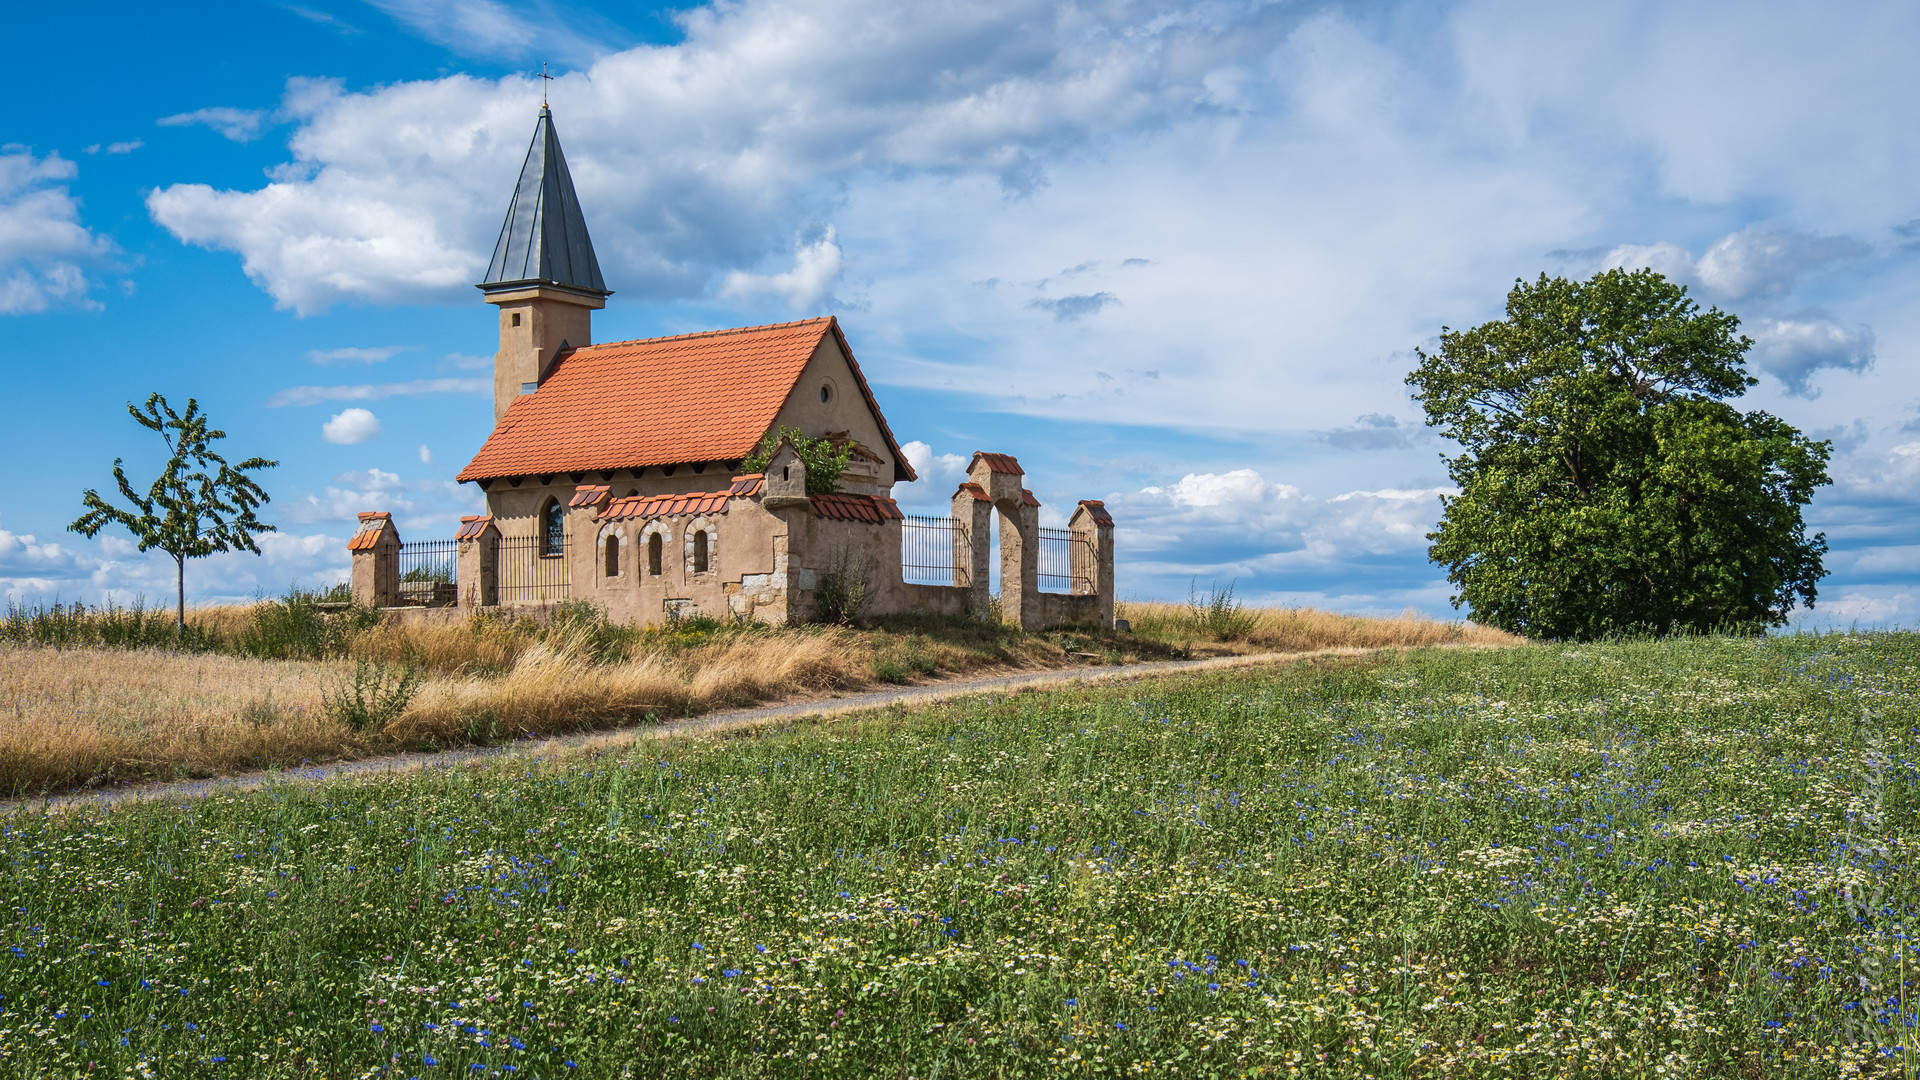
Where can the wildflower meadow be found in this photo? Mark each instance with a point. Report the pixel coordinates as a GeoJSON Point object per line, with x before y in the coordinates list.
{"type": "Point", "coordinates": [1677, 858]}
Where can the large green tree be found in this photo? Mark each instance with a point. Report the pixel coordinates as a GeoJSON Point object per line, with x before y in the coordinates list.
{"type": "Point", "coordinates": [188, 511]}
{"type": "Point", "coordinates": [1605, 485]}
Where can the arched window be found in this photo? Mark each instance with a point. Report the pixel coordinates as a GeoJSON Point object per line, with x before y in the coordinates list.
{"type": "Point", "coordinates": [653, 555]}
{"type": "Point", "coordinates": [700, 552]}
{"type": "Point", "coordinates": [553, 528]}
{"type": "Point", "coordinates": [613, 556]}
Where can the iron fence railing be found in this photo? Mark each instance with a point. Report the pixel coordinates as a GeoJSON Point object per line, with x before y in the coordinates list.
{"type": "Point", "coordinates": [935, 551]}
{"type": "Point", "coordinates": [428, 573]}
{"type": "Point", "coordinates": [1056, 560]}
{"type": "Point", "coordinates": [533, 569]}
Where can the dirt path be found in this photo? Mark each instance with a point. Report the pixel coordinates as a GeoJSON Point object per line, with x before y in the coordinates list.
{"type": "Point", "coordinates": [600, 741]}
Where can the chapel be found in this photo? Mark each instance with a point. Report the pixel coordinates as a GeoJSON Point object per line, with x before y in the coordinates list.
{"type": "Point", "coordinates": [613, 471]}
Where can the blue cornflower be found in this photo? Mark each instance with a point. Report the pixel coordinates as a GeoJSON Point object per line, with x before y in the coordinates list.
{"type": "Point", "coordinates": [1213, 986]}
{"type": "Point", "coordinates": [431, 1060]}
{"type": "Point", "coordinates": [570, 1063]}
{"type": "Point", "coordinates": [673, 1019]}
{"type": "Point", "coordinates": [101, 982]}
{"type": "Point", "coordinates": [731, 973]}
{"type": "Point", "coordinates": [697, 945]}
{"type": "Point", "coordinates": [760, 948]}
{"type": "Point", "coordinates": [375, 1028]}
{"type": "Point", "coordinates": [1072, 1002]}
{"type": "Point", "coordinates": [1120, 1026]}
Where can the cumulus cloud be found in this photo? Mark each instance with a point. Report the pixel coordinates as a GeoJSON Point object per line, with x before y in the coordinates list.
{"type": "Point", "coordinates": [815, 267]}
{"type": "Point", "coordinates": [239, 125]}
{"type": "Point", "coordinates": [1793, 350]}
{"type": "Point", "coordinates": [939, 473]}
{"type": "Point", "coordinates": [313, 395]}
{"type": "Point", "coordinates": [1758, 262]}
{"type": "Point", "coordinates": [695, 160]}
{"type": "Point", "coordinates": [43, 246]}
{"type": "Point", "coordinates": [352, 355]}
{"type": "Point", "coordinates": [92, 571]}
{"type": "Point", "coordinates": [116, 148]}
{"type": "Point", "coordinates": [350, 427]}
{"type": "Point", "coordinates": [1240, 520]}
{"type": "Point", "coordinates": [1373, 431]}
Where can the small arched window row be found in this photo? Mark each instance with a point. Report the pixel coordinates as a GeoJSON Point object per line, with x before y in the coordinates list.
{"type": "Point", "coordinates": [613, 556]}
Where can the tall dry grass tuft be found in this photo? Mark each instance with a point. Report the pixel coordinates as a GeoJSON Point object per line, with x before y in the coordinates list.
{"type": "Point", "coordinates": [1298, 629]}
{"type": "Point", "coordinates": [77, 717]}
{"type": "Point", "coordinates": [90, 715]}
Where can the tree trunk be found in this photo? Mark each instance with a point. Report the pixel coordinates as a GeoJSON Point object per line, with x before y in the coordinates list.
{"type": "Point", "coordinates": [180, 583]}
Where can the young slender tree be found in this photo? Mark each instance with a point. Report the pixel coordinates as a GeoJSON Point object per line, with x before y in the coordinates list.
{"type": "Point", "coordinates": [1605, 485]}
{"type": "Point", "coordinates": [188, 511]}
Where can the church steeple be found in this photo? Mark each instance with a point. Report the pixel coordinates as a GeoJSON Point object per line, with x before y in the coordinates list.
{"type": "Point", "coordinates": [544, 238]}
{"type": "Point", "coordinates": [543, 276]}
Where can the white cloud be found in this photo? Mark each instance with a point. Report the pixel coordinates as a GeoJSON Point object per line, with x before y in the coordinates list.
{"type": "Point", "coordinates": [939, 474]}
{"type": "Point", "coordinates": [1757, 262]}
{"type": "Point", "coordinates": [1793, 350]}
{"type": "Point", "coordinates": [426, 455]}
{"type": "Point", "coordinates": [815, 266]}
{"type": "Point", "coordinates": [313, 395]}
{"type": "Point", "coordinates": [488, 28]}
{"type": "Point", "coordinates": [352, 355]}
{"type": "Point", "coordinates": [350, 427]}
{"type": "Point", "coordinates": [239, 125]}
{"type": "Point", "coordinates": [110, 566]}
{"type": "Point", "coordinates": [43, 246]}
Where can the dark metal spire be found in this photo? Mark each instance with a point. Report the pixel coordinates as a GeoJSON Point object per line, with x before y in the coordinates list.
{"type": "Point", "coordinates": [544, 239]}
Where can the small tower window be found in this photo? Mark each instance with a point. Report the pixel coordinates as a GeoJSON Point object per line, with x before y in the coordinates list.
{"type": "Point", "coordinates": [700, 552]}
{"type": "Point", "coordinates": [613, 556]}
{"type": "Point", "coordinates": [516, 318]}
{"type": "Point", "coordinates": [653, 555]}
{"type": "Point", "coordinates": [826, 393]}
{"type": "Point", "coordinates": [553, 528]}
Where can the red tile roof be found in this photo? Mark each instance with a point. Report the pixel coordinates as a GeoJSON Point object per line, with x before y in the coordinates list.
{"type": "Point", "coordinates": [662, 401]}
{"type": "Point", "coordinates": [1000, 463]}
{"type": "Point", "coordinates": [645, 507]}
{"type": "Point", "coordinates": [472, 527]}
{"type": "Point", "coordinates": [979, 493]}
{"type": "Point", "coordinates": [1027, 497]}
{"type": "Point", "coordinates": [372, 523]}
{"type": "Point", "coordinates": [748, 484]}
{"type": "Point", "coordinates": [1097, 510]}
{"type": "Point", "coordinates": [588, 495]}
{"type": "Point", "coordinates": [868, 508]}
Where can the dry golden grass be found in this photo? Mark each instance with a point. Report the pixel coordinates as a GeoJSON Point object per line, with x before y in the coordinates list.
{"type": "Point", "coordinates": [81, 717]}
{"type": "Point", "coordinates": [1298, 629]}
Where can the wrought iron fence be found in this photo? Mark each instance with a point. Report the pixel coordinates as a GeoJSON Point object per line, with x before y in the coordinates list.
{"type": "Point", "coordinates": [428, 572]}
{"type": "Point", "coordinates": [935, 551]}
{"type": "Point", "coordinates": [534, 569]}
{"type": "Point", "coordinates": [1056, 560]}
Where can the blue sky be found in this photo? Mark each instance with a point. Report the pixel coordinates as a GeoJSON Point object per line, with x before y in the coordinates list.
{"type": "Point", "coordinates": [1176, 256]}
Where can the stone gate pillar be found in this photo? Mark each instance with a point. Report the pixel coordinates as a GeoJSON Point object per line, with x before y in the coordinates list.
{"type": "Point", "coordinates": [1092, 556]}
{"type": "Point", "coordinates": [376, 560]}
{"type": "Point", "coordinates": [999, 475]}
{"type": "Point", "coordinates": [479, 567]}
{"type": "Point", "coordinates": [972, 551]}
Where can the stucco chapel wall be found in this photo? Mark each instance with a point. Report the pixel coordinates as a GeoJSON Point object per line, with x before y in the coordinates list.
{"type": "Point", "coordinates": [743, 544]}
{"type": "Point", "coordinates": [847, 411]}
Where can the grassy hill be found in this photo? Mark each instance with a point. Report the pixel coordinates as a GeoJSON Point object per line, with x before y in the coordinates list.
{"type": "Point", "coordinates": [1682, 858]}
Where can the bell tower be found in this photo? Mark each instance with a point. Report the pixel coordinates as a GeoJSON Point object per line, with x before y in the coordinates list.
{"type": "Point", "coordinates": [543, 277]}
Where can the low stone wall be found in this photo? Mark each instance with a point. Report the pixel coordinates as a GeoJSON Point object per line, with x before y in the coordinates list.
{"type": "Point", "coordinates": [1061, 609]}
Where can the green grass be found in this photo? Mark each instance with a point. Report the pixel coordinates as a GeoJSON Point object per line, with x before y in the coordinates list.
{"type": "Point", "coordinates": [1639, 859]}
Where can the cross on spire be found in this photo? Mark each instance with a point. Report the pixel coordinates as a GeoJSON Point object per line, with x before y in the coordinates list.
{"type": "Point", "coordinates": [543, 85]}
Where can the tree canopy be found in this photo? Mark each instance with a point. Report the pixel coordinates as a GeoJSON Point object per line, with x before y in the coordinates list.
{"type": "Point", "coordinates": [1605, 485]}
{"type": "Point", "coordinates": [186, 512]}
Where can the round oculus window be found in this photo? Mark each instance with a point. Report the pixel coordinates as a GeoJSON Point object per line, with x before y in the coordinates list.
{"type": "Point", "coordinates": [826, 393]}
